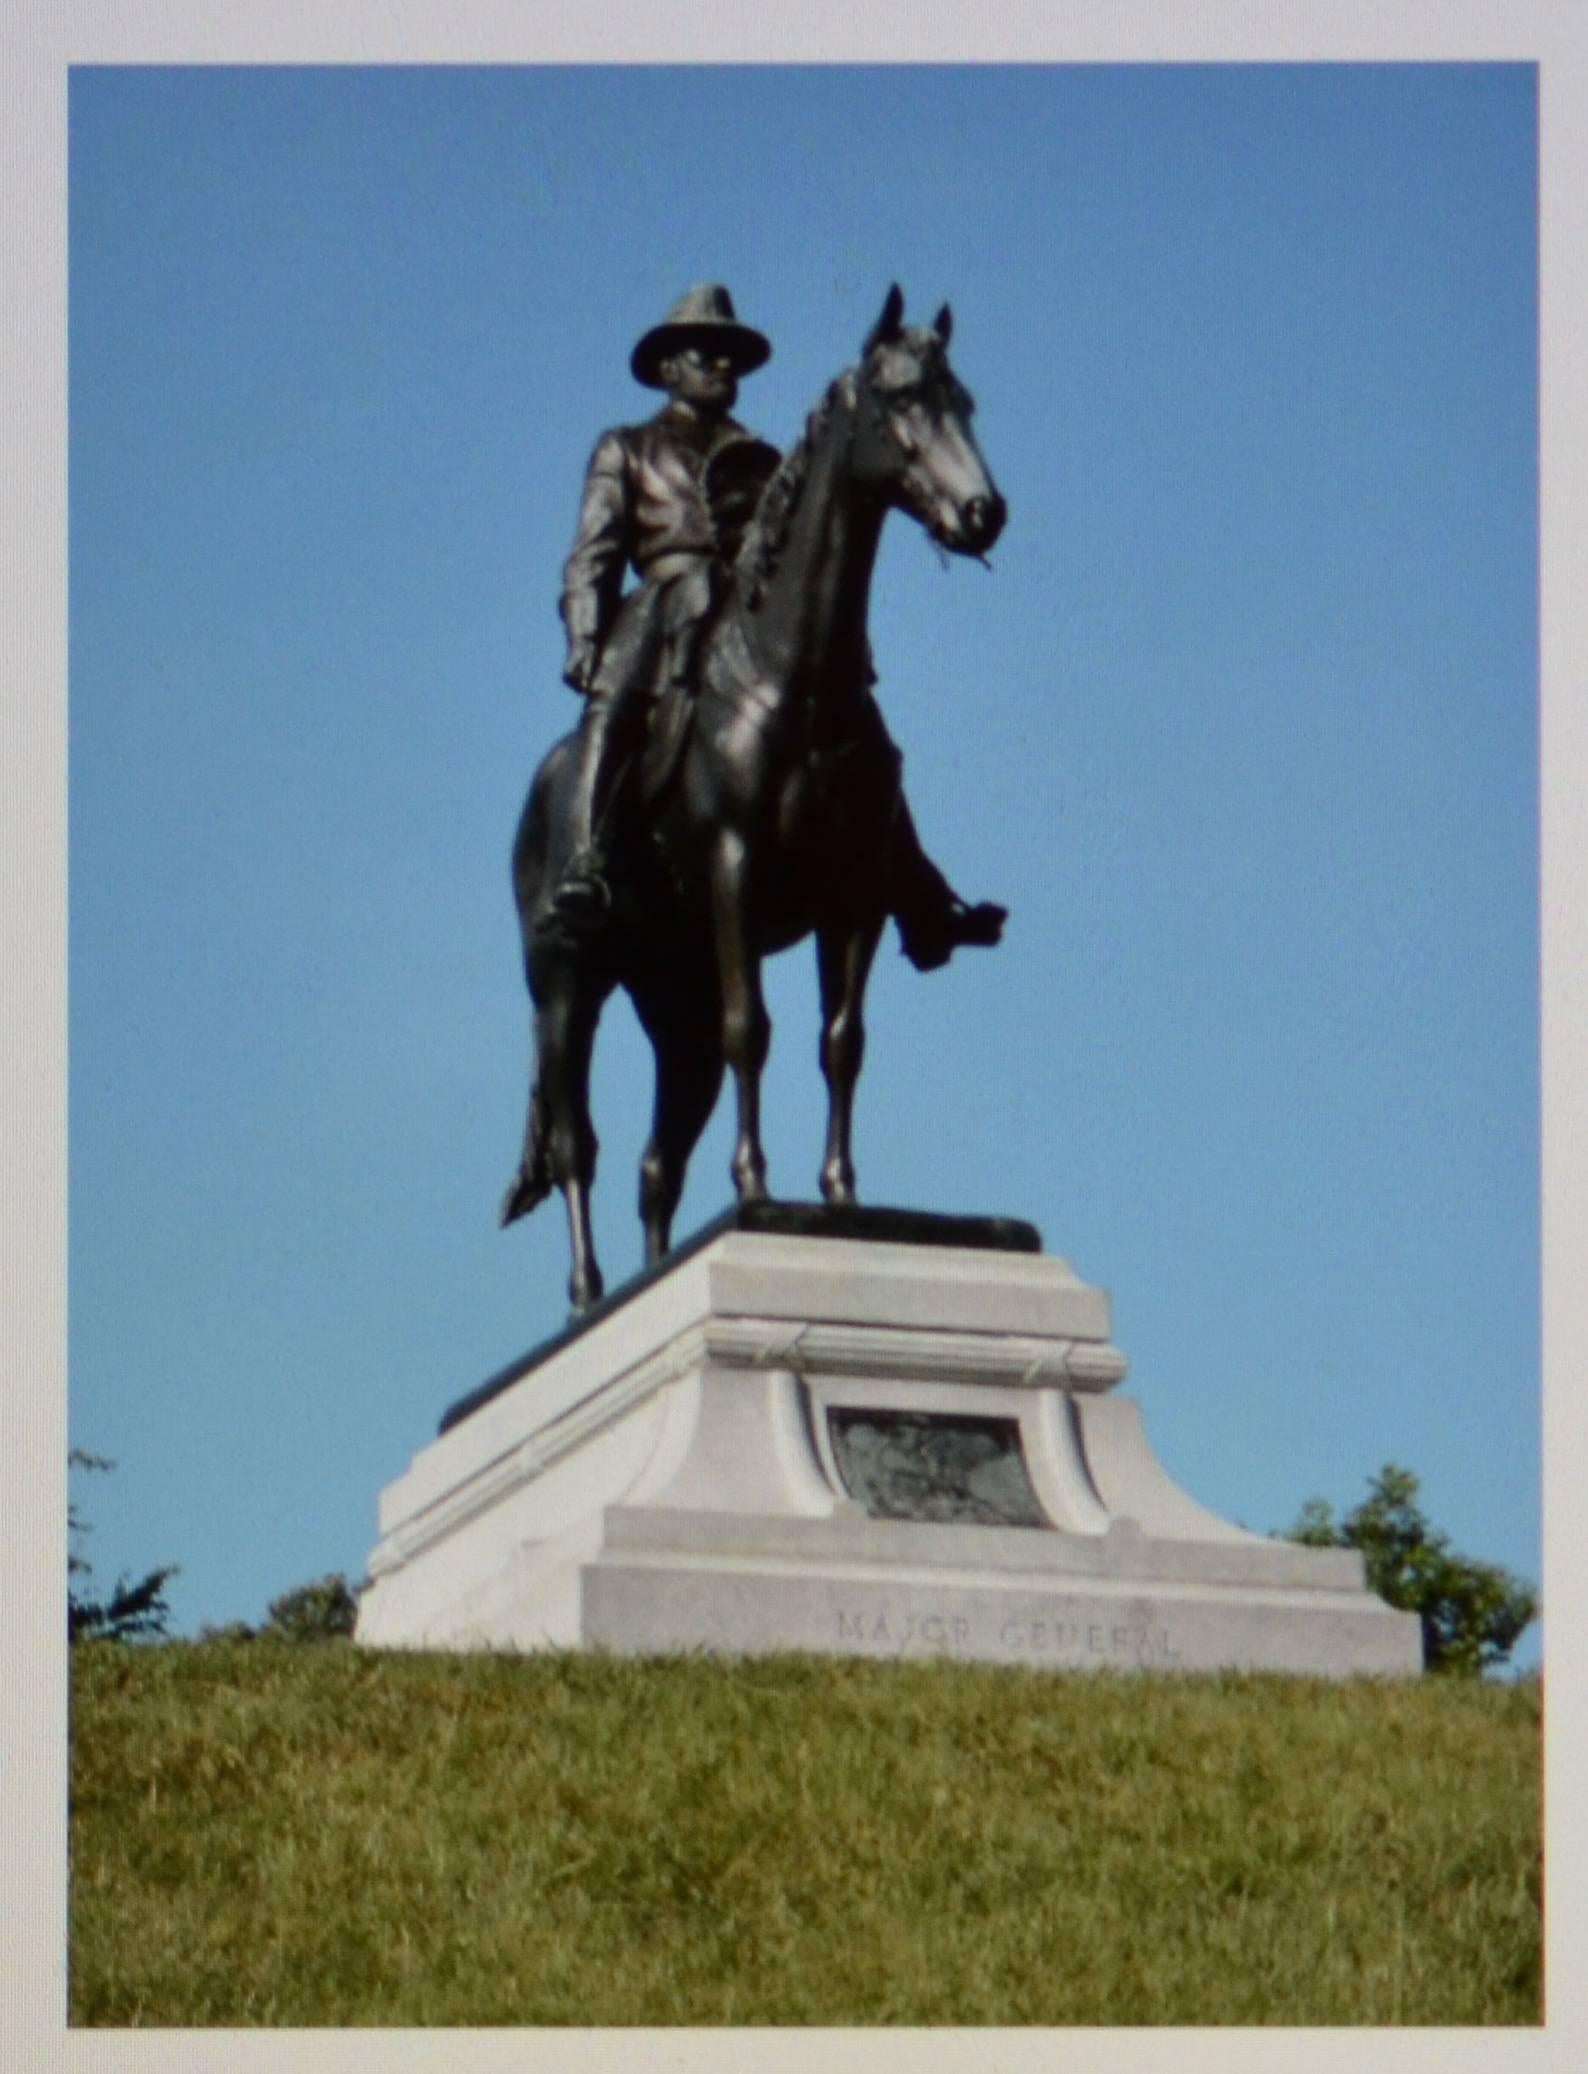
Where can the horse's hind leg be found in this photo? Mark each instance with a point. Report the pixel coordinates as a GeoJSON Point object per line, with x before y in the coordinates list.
{"type": "Point", "coordinates": [679, 1014]}
{"type": "Point", "coordinates": [565, 1025]}
{"type": "Point", "coordinates": [843, 963]}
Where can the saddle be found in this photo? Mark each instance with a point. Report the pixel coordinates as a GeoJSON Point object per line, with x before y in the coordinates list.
{"type": "Point", "coordinates": [734, 480]}
{"type": "Point", "coordinates": [672, 714]}
{"type": "Point", "coordinates": [666, 732]}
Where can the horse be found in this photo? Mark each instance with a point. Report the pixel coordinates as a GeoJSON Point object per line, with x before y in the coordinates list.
{"type": "Point", "coordinates": [776, 819]}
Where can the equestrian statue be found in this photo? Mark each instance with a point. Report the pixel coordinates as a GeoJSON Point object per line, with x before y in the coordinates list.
{"type": "Point", "coordinates": [731, 787]}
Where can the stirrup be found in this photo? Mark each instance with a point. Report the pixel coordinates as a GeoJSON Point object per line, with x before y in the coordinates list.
{"type": "Point", "coordinates": [582, 894]}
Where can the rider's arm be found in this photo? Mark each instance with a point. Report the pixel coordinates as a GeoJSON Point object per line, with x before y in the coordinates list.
{"type": "Point", "coordinates": [592, 577]}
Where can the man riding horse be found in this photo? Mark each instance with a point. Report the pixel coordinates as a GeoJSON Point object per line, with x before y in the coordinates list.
{"type": "Point", "coordinates": [671, 498]}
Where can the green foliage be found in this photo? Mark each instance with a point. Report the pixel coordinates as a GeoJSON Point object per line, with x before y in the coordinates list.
{"type": "Point", "coordinates": [325, 1611]}
{"type": "Point", "coordinates": [132, 1612]}
{"type": "Point", "coordinates": [350, 1837]}
{"type": "Point", "coordinates": [1473, 1614]}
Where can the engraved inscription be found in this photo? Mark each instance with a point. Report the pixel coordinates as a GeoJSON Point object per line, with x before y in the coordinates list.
{"type": "Point", "coordinates": [1123, 1643]}
{"type": "Point", "coordinates": [880, 1630]}
{"type": "Point", "coordinates": [1119, 1641]}
{"type": "Point", "coordinates": [946, 1468]}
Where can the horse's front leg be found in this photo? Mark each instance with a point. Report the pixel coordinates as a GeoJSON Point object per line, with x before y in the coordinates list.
{"type": "Point", "coordinates": [746, 1027]}
{"type": "Point", "coordinates": [843, 963]}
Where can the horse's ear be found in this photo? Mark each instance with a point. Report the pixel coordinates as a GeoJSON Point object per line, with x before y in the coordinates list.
{"type": "Point", "coordinates": [886, 328]}
{"type": "Point", "coordinates": [943, 324]}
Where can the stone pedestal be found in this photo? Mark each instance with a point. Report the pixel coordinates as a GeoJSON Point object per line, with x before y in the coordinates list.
{"type": "Point", "coordinates": [850, 1445]}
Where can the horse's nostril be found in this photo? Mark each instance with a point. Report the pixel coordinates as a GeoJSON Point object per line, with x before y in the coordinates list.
{"type": "Point", "coordinates": [984, 517]}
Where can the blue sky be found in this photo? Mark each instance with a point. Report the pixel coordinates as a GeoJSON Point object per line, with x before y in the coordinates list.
{"type": "Point", "coordinates": [1242, 727]}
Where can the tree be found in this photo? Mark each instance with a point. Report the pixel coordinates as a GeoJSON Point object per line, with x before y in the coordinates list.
{"type": "Point", "coordinates": [132, 1611]}
{"type": "Point", "coordinates": [1473, 1614]}
{"type": "Point", "coordinates": [325, 1611]}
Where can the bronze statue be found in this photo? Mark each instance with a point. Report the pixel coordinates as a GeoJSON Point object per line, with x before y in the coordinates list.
{"type": "Point", "coordinates": [732, 787]}
{"type": "Point", "coordinates": [671, 498]}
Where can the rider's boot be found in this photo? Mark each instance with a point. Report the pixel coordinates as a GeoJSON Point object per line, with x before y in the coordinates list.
{"type": "Point", "coordinates": [933, 920]}
{"type": "Point", "coordinates": [582, 898]}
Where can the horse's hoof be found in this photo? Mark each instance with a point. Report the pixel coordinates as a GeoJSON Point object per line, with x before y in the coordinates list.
{"type": "Point", "coordinates": [585, 1296]}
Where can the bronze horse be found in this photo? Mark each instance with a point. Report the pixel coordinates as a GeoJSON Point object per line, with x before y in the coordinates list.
{"type": "Point", "coordinates": [776, 816]}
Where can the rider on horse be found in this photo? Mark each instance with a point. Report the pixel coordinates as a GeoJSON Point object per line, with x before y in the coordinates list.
{"type": "Point", "coordinates": [671, 498]}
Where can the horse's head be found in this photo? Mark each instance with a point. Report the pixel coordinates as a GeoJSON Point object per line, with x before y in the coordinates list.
{"type": "Point", "coordinates": [913, 442]}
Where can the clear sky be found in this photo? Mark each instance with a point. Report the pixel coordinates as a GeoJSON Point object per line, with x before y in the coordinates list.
{"type": "Point", "coordinates": [1242, 727]}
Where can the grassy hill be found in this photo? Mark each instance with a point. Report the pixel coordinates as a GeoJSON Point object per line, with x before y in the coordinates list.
{"type": "Point", "coordinates": [270, 1834]}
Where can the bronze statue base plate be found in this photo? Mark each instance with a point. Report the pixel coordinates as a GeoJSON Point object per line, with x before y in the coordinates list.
{"type": "Point", "coordinates": [853, 1221]}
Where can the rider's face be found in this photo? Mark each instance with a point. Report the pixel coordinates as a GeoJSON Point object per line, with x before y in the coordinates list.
{"type": "Point", "coordinates": [702, 378]}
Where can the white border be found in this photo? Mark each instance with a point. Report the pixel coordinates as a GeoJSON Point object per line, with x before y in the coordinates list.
{"type": "Point", "coordinates": [37, 44]}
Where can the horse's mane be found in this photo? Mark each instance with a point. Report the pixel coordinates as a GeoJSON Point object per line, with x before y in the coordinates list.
{"type": "Point", "coordinates": [768, 531]}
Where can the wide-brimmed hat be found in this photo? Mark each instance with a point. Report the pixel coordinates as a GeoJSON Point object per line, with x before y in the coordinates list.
{"type": "Point", "coordinates": [702, 316]}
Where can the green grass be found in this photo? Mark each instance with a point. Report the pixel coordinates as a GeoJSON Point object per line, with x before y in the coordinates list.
{"type": "Point", "coordinates": [268, 1834]}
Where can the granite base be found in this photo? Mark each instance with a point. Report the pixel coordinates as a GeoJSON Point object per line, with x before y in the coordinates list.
{"type": "Point", "coordinates": [855, 1446]}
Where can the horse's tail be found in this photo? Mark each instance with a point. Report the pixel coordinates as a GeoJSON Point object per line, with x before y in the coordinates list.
{"type": "Point", "coordinates": [533, 876]}
{"type": "Point", "coordinates": [533, 1182]}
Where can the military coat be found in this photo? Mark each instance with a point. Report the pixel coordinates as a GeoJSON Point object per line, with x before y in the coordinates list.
{"type": "Point", "coordinates": [669, 499]}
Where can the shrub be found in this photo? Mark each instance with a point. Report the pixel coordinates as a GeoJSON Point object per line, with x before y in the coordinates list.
{"type": "Point", "coordinates": [1473, 1614]}
{"type": "Point", "coordinates": [324, 1611]}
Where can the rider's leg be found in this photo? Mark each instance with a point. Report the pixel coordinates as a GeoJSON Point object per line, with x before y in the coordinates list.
{"type": "Point", "coordinates": [614, 719]}
{"type": "Point", "coordinates": [688, 603]}
{"type": "Point", "coordinates": [658, 631]}
{"type": "Point", "coordinates": [582, 888]}
{"type": "Point", "coordinates": [933, 920]}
